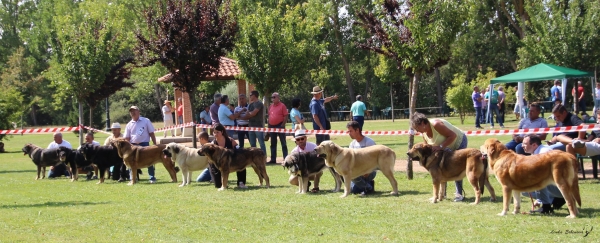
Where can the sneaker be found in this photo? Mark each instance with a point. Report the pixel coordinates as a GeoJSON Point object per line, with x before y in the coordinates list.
{"type": "Point", "coordinates": [479, 127]}
{"type": "Point", "coordinates": [459, 198]}
{"type": "Point", "coordinates": [242, 185]}
{"type": "Point", "coordinates": [152, 181]}
{"type": "Point", "coordinates": [362, 194]}
{"type": "Point", "coordinates": [491, 127]}
{"type": "Point", "coordinates": [578, 144]}
{"type": "Point", "coordinates": [501, 126]}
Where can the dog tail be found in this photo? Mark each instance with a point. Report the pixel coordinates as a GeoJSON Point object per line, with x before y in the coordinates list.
{"type": "Point", "coordinates": [484, 177]}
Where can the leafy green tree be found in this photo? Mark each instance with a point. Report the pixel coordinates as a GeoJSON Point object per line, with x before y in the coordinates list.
{"type": "Point", "coordinates": [409, 32]}
{"type": "Point", "coordinates": [459, 96]}
{"type": "Point", "coordinates": [10, 108]}
{"type": "Point", "coordinates": [188, 38]}
{"type": "Point", "coordinates": [277, 45]}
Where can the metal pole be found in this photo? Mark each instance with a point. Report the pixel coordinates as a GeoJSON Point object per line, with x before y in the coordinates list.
{"type": "Point", "coordinates": [80, 123]}
{"type": "Point", "coordinates": [107, 115]}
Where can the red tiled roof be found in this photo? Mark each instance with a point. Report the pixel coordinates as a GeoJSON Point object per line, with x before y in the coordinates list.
{"type": "Point", "coordinates": [228, 69]}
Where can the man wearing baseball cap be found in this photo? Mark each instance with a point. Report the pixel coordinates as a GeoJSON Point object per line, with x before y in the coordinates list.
{"type": "Point", "coordinates": [139, 131]}
{"type": "Point", "coordinates": [317, 109]}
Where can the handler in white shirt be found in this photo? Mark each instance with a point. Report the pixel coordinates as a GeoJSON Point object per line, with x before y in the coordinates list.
{"type": "Point", "coordinates": [303, 145]}
{"type": "Point", "coordinates": [363, 184]}
{"type": "Point", "coordinates": [60, 169]}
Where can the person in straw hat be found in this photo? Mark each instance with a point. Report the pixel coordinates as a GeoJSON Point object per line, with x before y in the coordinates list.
{"type": "Point", "coordinates": [317, 109]}
{"type": "Point", "coordinates": [116, 133]}
{"type": "Point", "coordinates": [167, 111]}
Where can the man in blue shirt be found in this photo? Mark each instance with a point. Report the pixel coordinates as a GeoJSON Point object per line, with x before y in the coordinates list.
{"type": "Point", "coordinates": [317, 109]}
{"type": "Point", "coordinates": [358, 110]}
{"type": "Point", "coordinates": [476, 97]}
{"type": "Point", "coordinates": [492, 97]}
{"type": "Point", "coordinates": [556, 92]}
{"type": "Point", "coordinates": [226, 117]}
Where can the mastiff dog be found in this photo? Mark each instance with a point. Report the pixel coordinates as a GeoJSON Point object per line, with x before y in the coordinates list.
{"type": "Point", "coordinates": [42, 158]}
{"type": "Point", "coordinates": [352, 163]}
{"type": "Point", "coordinates": [308, 164]}
{"type": "Point", "coordinates": [232, 160]}
{"type": "Point", "coordinates": [518, 173]}
{"type": "Point", "coordinates": [187, 159]}
{"type": "Point", "coordinates": [75, 161]}
{"type": "Point", "coordinates": [444, 166]}
{"type": "Point", "coordinates": [136, 157]}
{"type": "Point", "coordinates": [104, 157]}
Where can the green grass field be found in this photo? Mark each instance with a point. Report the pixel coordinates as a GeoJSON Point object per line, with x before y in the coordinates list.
{"type": "Point", "coordinates": [60, 211]}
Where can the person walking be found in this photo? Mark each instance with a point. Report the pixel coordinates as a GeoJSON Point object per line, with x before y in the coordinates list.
{"type": "Point", "coordinates": [358, 110]}
{"type": "Point", "coordinates": [138, 132]}
{"type": "Point", "coordinates": [277, 118]}
{"type": "Point", "coordinates": [317, 109]}
{"type": "Point", "coordinates": [476, 97]}
{"type": "Point", "coordinates": [167, 111]}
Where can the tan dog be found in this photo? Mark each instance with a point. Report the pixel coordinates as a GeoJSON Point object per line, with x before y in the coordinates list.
{"type": "Point", "coordinates": [187, 159]}
{"type": "Point", "coordinates": [232, 160]}
{"type": "Point", "coordinates": [518, 173]}
{"type": "Point", "coordinates": [136, 157]}
{"type": "Point", "coordinates": [446, 166]}
{"type": "Point", "coordinates": [352, 163]}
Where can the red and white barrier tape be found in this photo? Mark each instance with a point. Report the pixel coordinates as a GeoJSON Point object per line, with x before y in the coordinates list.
{"type": "Point", "coordinates": [331, 132]}
{"type": "Point", "coordinates": [40, 130]}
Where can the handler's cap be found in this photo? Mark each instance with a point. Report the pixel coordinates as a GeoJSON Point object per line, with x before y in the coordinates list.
{"type": "Point", "coordinates": [133, 107]}
{"type": "Point", "coordinates": [300, 133]}
{"type": "Point", "coordinates": [115, 125]}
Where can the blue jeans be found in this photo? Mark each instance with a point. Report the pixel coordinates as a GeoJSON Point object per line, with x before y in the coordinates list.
{"type": "Point", "coordinates": [482, 117]}
{"type": "Point", "coordinates": [558, 146]}
{"type": "Point", "coordinates": [253, 136]}
{"type": "Point", "coordinates": [58, 171]}
{"type": "Point", "coordinates": [360, 120]}
{"type": "Point", "coordinates": [241, 137]}
{"type": "Point", "coordinates": [204, 176]}
{"type": "Point", "coordinates": [478, 116]}
{"type": "Point", "coordinates": [362, 184]}
{"type": "Point", "coordinates": [494, 110]}
{"type": "Point", "coordinates": [514, 146]}
{"type": "Point", "coordinates": [546, 194]}
{"type": "Point", "coordinates": [151, 168]}
{"type": "Point", "coordinates": [274, 142]}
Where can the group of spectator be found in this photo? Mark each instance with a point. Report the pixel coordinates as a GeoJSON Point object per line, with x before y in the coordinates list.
{"type": "Point", "coordinates": [497, 106]}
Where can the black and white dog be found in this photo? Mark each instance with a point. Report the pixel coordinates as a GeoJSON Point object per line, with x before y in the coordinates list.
{"type": "Point", "coordinates": [307, 165]}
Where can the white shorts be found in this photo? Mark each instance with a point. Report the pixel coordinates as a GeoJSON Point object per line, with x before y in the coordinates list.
{"type": "Point", "coordinates": [592, 149]}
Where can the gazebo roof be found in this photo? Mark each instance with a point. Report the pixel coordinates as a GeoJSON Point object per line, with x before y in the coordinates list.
{"type": "Point", "coordinates": [228, 69]}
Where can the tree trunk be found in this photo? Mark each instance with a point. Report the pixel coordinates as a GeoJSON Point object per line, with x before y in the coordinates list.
{"type": "Point", "coordinates": [157, 95]}
{"type": "Point", "coordinates": [412, 106]}
{"type": "Point", "coordinates": [192, 101]}
{"type": "Point", "coordinates": [91, 115]}
{"type": "Point", "coordinates": [34, 115]}
{"type": "Point", "coordinates": [80, 122]}
{"type": "Point", "coordinates": [340, 45]}
{"type": "Point", "coordinates": [439, 91]}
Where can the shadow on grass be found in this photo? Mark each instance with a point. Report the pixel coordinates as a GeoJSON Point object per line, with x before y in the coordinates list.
{"type": "Point", "coordinates": [52, 204]}
{"type": "Point", "coordinates": [13, 152]}
{"type": "Point", "coordinates": [17, 171]}
{"type": "Point", "coordinates": [254, 187]}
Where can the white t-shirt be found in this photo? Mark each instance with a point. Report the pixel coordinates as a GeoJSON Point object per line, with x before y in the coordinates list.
{"type": "Point", "coordinates": [309, 148]}
{"type": "Point", "coordinates": [167, 115]}
{"type": "Point", "coordinates": [139, 131]}
{"type": "Point", "coordinates": [54, 145]}
{"type": "Point", "coordinates": [365, 142]}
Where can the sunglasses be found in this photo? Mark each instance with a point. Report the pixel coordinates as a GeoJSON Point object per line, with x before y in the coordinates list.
{"type": "Point", "coordinates": [300, 139]}
{"type": "Point", "coordinates": [273, 97]}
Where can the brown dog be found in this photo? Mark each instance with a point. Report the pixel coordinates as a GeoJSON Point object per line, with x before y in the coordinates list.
{"type": "Point", "coordinates": [518, 173]}
{"type": "Point", "coordinates": [446, 166]}
{"type": "Point", "coordinates": [232, 160]}
{"type": "Point", "coordinates": [136, 157]}
{"type": "Point", "coordinates": [352, 163]}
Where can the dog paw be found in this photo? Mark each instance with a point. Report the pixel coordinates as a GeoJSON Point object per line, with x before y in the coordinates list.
{"type": "Point", "coordinates": [492, 199]}
{"type": "Point", "coordinates": [182, 185]}
{"type": "Point", "coordinates": [474, 203]}
{"type": "Point", "coordinates": [571, 217]}
{"type": "Point", "coordinates": [221, 189]}
{"type": "Point", "coordinates": [98, 183]}
{"type": "Point", "coordinates": [130, 184]}
{"type": "Point", "coordinates": [343, 196]}
{"type": "Point", "coordinates": [516, 212]}
{"type": "Point", "coordinates": [502, 214]}
{"type": "Point", "coordinates": [72, 180]}
{"type": "Point", "coordinates": [394, 193]}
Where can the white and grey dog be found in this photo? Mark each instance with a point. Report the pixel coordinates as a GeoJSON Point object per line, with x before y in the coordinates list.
{"type": "Point", "coordinates": [187, 159]}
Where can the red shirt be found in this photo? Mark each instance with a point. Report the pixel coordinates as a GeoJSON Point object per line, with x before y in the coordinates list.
{"type": "Point", "coordinates": [579, 91]}
{"type": "Point", "coordinates": [180, 110]}
{"type": "Point", "coordinates": [277, 113]}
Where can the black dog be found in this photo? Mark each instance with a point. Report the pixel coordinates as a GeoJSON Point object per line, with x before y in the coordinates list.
{"type": "Point", "coordinates": [74, 160]}
{"type": "Point", "coordinates": [308, 164]}
{"type": "Point", "coordinates": [42, 158]}
{"type": "Point", "coordinates": [104, 157]}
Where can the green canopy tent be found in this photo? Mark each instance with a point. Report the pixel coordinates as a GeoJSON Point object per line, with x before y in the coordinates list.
{"type": "Point", "coordinates": [541, 72]}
